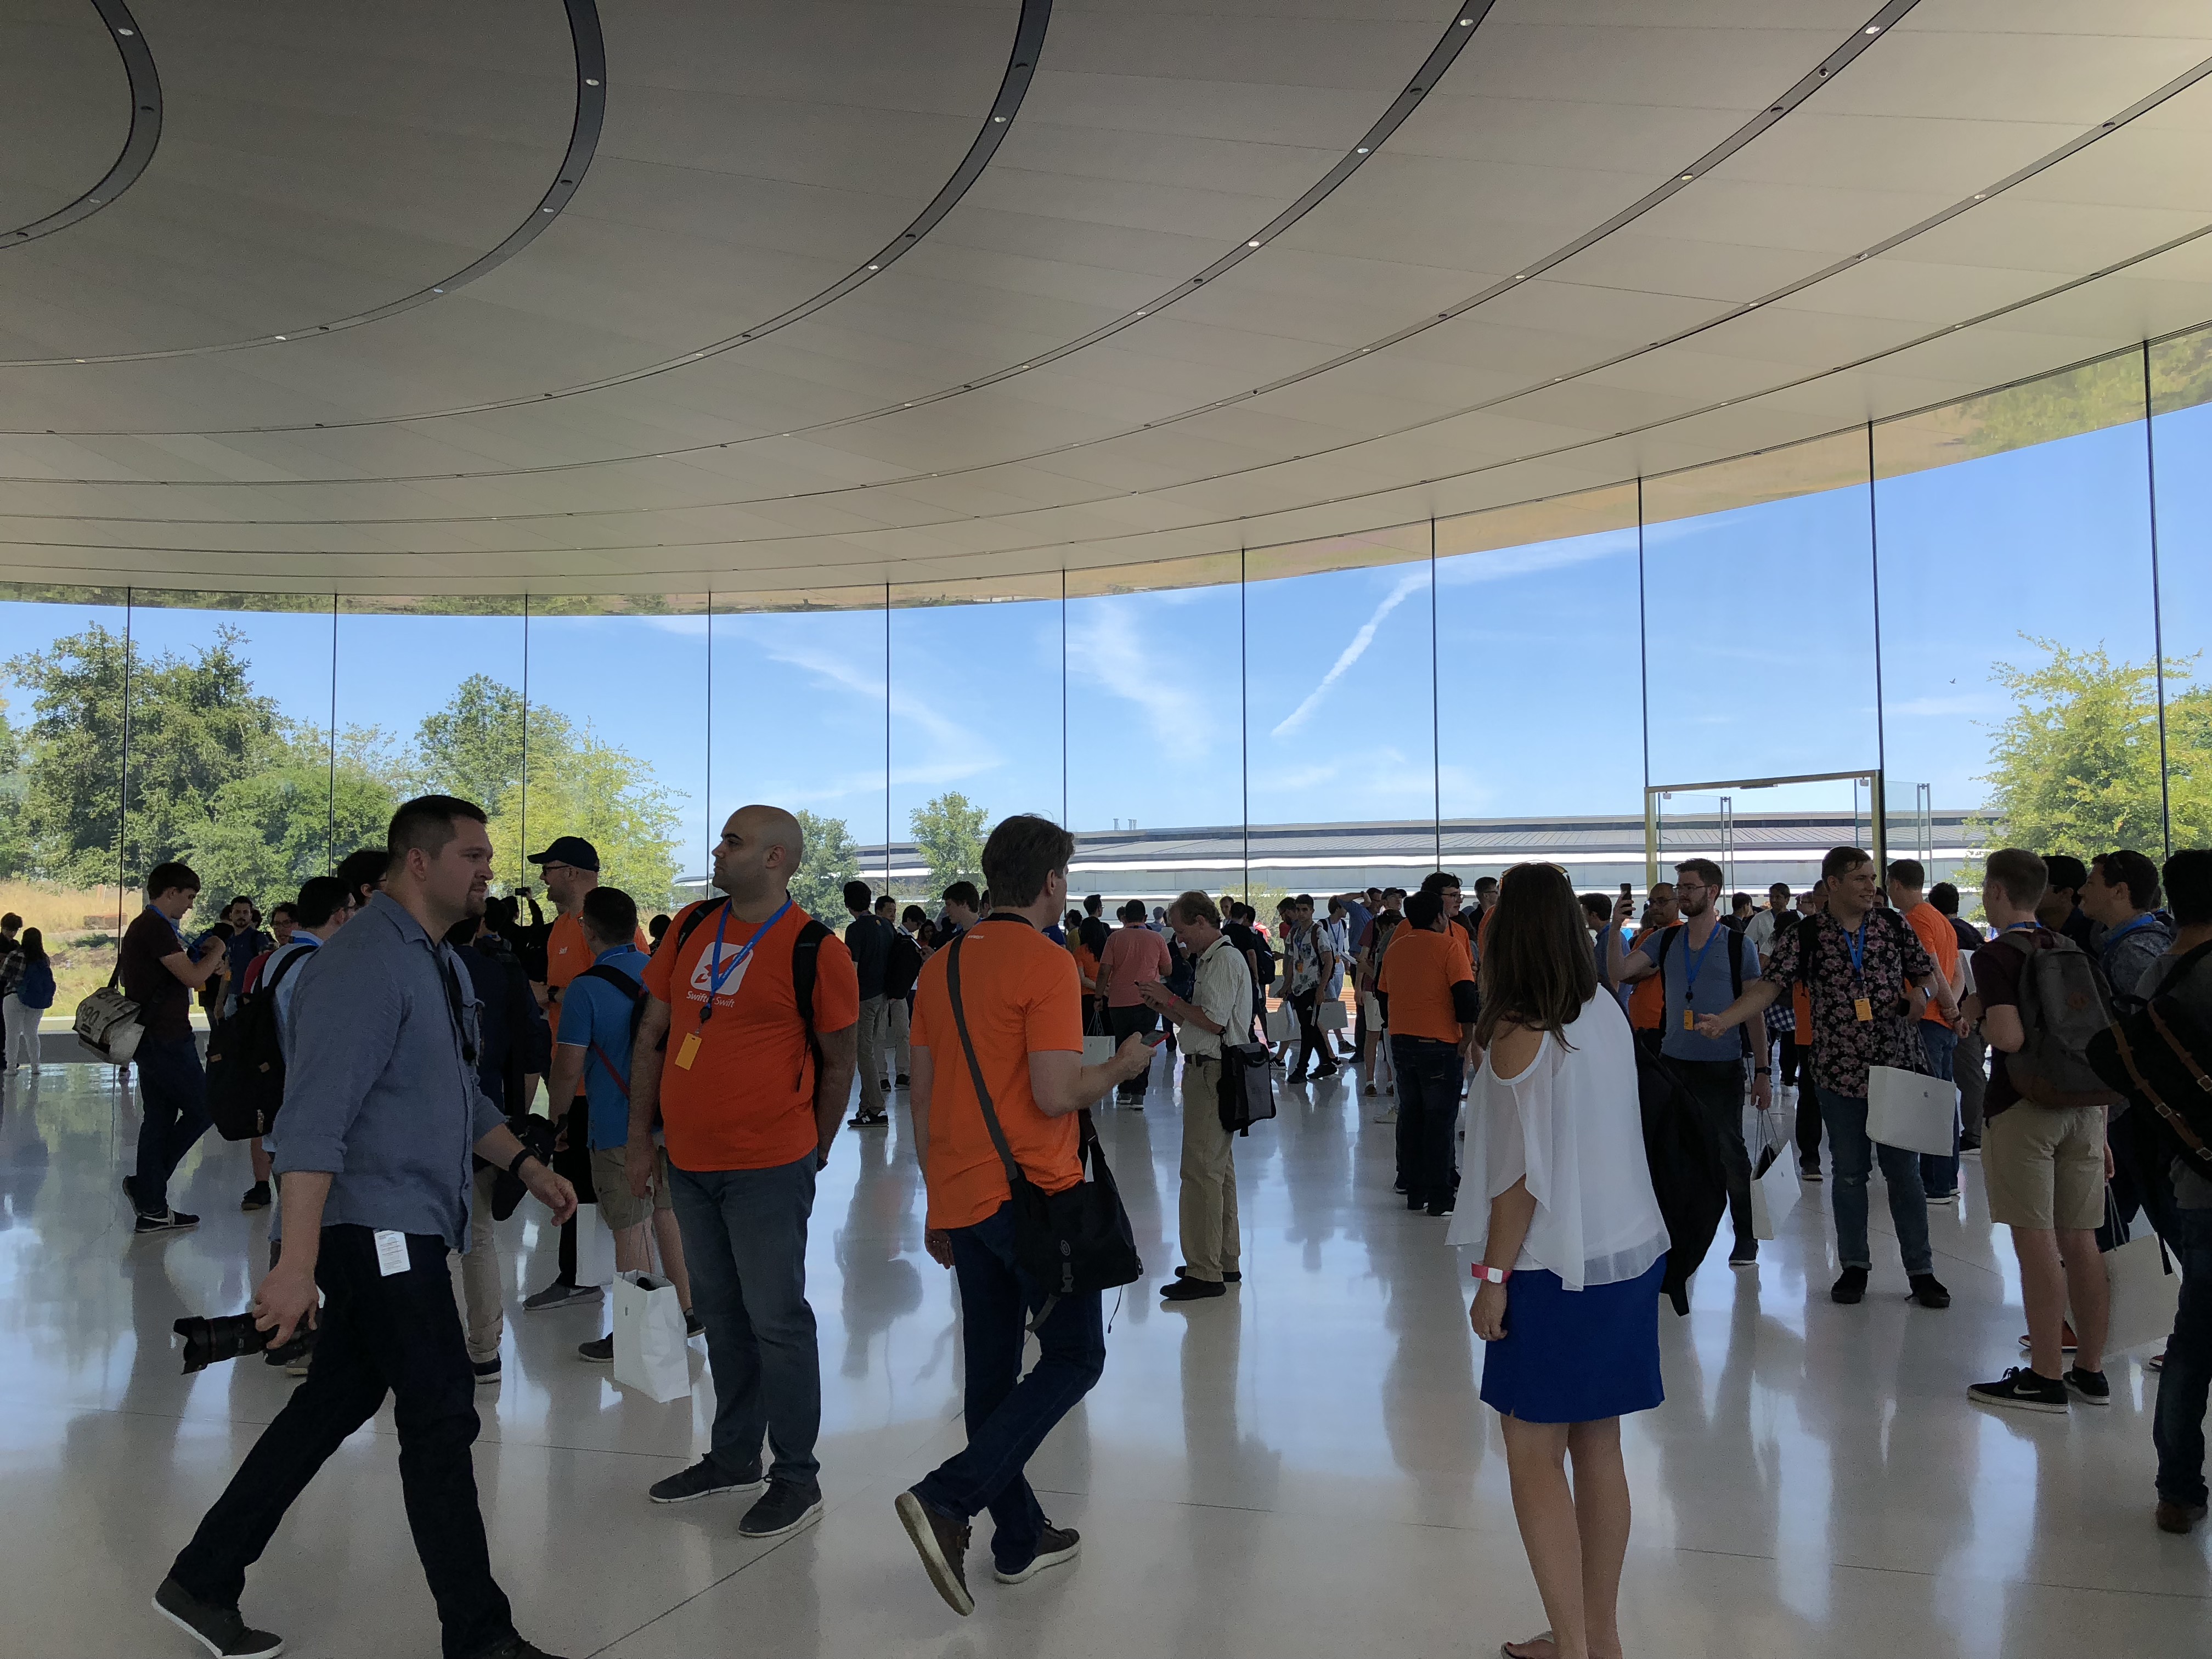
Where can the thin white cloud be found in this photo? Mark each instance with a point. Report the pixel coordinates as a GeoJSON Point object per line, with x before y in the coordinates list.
{"type": "Point", "coordinates": [1112, 654]}
{"type": "Point", "coordinates": [1461, 570]}
{"type": "Point", "coordinates": [1407, 587]}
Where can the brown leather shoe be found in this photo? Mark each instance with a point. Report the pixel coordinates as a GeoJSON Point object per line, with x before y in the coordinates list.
{"type": "Point", "coordinates": [2178, 1518]}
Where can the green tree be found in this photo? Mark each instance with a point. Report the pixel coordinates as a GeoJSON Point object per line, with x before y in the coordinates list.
{"type": "Point", "coordinates": [578, 786]}
{"type": "Point", "coordinates": [830, 861]}
{"type": "Point", "coordinates": [473, 747]}
{"type": "Point", "coordinates": [949, 830]}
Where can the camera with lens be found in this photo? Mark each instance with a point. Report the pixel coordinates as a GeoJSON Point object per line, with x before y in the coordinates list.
{"type": "Point", "coordinates": [210, 1341]}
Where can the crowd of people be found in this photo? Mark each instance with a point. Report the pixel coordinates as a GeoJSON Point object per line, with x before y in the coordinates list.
{"type": "Point", "coordinates": [699, 1074]}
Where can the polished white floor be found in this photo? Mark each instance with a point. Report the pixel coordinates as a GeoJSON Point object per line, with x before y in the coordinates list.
{"type": "Point", "coordinates": [1302, 1468]}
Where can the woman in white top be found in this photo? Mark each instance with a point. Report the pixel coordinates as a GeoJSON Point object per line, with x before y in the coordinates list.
{"type": "Point", "coordinates": [1561, 1228]}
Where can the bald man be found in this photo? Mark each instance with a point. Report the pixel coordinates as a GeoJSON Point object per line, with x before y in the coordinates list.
{"type": "Point", "coordinates": [746, 1051]}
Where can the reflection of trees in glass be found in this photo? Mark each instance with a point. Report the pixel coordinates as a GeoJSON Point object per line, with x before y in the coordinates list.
{"type": "Point", "coordinates": [831, 860]}
{"type": "Point", "coordinates": [949, 830]}
{"type": "Point", "coordinates": [2075, 768]}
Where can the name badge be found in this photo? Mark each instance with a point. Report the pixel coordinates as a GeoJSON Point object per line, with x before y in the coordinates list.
{"type": "Point", "coordinates": [687, 1051]}
{"type": "Point", "coordinates": [391, 1254]}
{"type": "Point", "coordinates": [1689, 1020]}
{"type": "Point", "coordinates": [1864, 1009]}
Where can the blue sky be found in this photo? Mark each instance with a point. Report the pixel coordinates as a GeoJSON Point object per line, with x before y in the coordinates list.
{"type": "Point", "coordinates": [1761, 647]}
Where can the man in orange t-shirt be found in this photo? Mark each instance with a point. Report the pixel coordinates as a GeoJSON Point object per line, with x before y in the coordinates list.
{"type": "Point", "coordinates": [746, 1051]}
{"type": "Point", "coordinates": [1907, 880]}
{"type": "Point", "coordinates": [1022, 1002]}
{"type": "Point", "coordinates": [1429, 977]}
{"type": "Point", "coordinates": [1647, 1001]}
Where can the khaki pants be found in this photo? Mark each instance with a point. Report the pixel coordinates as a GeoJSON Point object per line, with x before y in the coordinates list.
{"type": "Point", "coordinates": [1211, 1246]}
{"type": "Point", "coordinates": [476, 1288]}
{"type": "Point", "coordinates": [900, 1057]}
{"type": "Point", "coordinates": [875, 1026]}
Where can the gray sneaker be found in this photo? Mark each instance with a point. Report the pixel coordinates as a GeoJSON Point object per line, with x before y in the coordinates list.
{"type": "Point", "coordinates": [942, 1543]}
{"type": "Point", "coordinates": [784, 1507]}
{"type": "Point", "coordinates": [704, 1479]}
{"type": "Point", "coordinates": [221, 1631]}
{"type": "Point", "coordinates": [1054, 1546]}
{"type": "Point", "coordinates": [558, 1295]}
{"type": "Point", "coordinates": [601, 1352]}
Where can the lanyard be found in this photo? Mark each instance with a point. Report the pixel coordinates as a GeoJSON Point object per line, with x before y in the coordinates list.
{"type": "Point", "coordinates": [2120, 933]}
{"type": "Point", "coordinates": [450, 975]}
{"type": "Point", "coordinates": [2022, 926]}
{"type": "Point", "coordinates": [1857, 940]}
{"type": "Point", "coordinates": [718, 970]}
{"type": "Point", "coordinates": [173, 929]}
{"type": "Point", "coordinates": [1692, 964]}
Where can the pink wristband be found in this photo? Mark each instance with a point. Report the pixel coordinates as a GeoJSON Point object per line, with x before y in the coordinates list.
{"type": "Point", "coordinates": [1492, 1275]}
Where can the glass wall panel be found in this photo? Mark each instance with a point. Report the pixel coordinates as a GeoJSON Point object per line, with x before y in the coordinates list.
{"type": "Point", "coordinates": [2181, 433]}
{"type": "Point", "coordinates": [1154, 701]}
{"type": "Point", "coordinates": [618, 738]}
{"type": "Point", "coordinates": [1758, 615]}
{"type": "Point", "coordinates": [2016, 611]}
{"type": "Point", "coordinates": [1543, 597]}
{"type": "Point", "coordinates": [976, 710]}
{"type": "Point", "coordinates": [430, 696]}
{"type": "Point", "coordinates": [1340, 646]}
{"type": "Point", "coordinates": [799, 706]}
{"type": "Point", "coordinates": [230, 736]}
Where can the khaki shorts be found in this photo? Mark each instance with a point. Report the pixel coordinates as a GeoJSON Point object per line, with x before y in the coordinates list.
{"type": "Point", "coordinates": [610, 1179]}
{"type": "Point", "coordinates": [2044, 1167]}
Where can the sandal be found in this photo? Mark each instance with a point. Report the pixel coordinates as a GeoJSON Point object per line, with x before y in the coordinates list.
{"type": "Point", "coordinates": [1536, 1647]}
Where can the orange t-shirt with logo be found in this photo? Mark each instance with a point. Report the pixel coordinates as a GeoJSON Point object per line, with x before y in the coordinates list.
{"type": "Point", "coordinates": [1647, 997]}
{"type": "Point", "coordinates": [1418, 969]}
{"type": "Point", "coordinates": [746, 1101]}
{"type": "Point", "coordinates": [567, 953]}
{"type": "Point", "coordinates": [1021, 995]}
{"type": "Point", "coordinates": [1934, 928]}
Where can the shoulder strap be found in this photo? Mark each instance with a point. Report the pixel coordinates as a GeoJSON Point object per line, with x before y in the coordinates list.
{"type": "Point", "coordinates": [277, 978]}
{"type": "Point", "coordinates": [611, 975]}
{"type": "Point", "coordinates": [697, 913]}
{"type": "Point", "coordinates": [1659, 958]}
{"type": "Point", "coordinates": [806, 959]}
{"type": "Point", "coordinates": [1014, 1176]}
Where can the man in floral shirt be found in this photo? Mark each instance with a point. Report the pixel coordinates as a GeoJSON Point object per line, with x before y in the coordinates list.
{"type": "Point", "coordinates": [1871, 978]}
{"type": "Point", "coordinates": [1309, 960]}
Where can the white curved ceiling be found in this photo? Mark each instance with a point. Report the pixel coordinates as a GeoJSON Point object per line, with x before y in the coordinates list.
{"type": "Point", "coordinates": [419, 298]}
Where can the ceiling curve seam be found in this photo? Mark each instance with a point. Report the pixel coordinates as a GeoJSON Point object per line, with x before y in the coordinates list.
{"type": "Point", "coordinates": [583, 145]}
{"type": "Point", "coordinates": [139, 144]}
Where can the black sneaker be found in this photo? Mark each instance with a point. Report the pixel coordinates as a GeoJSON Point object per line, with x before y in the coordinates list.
{"type": "Point", "coordinates": [704, 1479]}
{"type": "Point", "coordinates": [221, 1631]}
{"type": "Point", "coordinates": [693, 1325]}
{"type": "Point", "coordinates": [560, 1294]}
{"type": "Point", "coordinates": [942, 1543]}
{"type": "Point", "coordinates": [130, 1192]}
{"type": "Point", "coordinates": [901, 1080]}
{"type": "Point", "coordinates": [601, 1352]}
{"type": "Point", "coordinates": [1443, 1207]}
{"type": "Point", "coordinates": [1808, 1172]}
{"type": "Point", "coordinates": [487, 1370]}
{"type": "Point", "coordinates": [1054, 1546]}
{"type": "Point", "coordinates": [1192, 1289]}
{"type": "Point", "coordinates": [1232, 1276]}
{"type": "Point", "coordinates": [2088, 1386]}
{"type": "Point", "coordinates": [1745, 1254]}
{"type": "Point", "coordinates": [784, 1507]}
{"type": "Point", "coordinates": [256, 1198]}
{"type": "Point", "coordinates": [1928, 1291]}
{"type": "Point", "coordinates": [867, 1120]}
{"type": "Point", "coordinates": [1849, 1286]}
{"type": "Point", "coordinates": [2022, 1389]}
{"type": "Point", "coordinates": [169, 1221]}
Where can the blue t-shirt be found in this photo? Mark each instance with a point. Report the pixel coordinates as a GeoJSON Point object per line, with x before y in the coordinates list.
{"type": "Point", "coordinates": [1711, 992]}
{"type": "Point", "coordinates": [594, 1015]}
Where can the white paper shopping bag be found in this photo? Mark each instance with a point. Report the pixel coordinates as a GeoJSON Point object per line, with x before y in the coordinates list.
{"type": "Point", "coordinates": [2146, 1293]}
{"type": "Point", "coordinates": [1329, 1016]}
{"type": "Point", "coordinates": [651, 1353]}
{"type": "Point", "coordinates": [1907, 1110]}
{"type": "Point", "coordinates": [1774, 1188]}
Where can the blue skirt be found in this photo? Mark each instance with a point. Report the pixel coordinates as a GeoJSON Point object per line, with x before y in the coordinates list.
{"type": "Point", "coordinates": [1576, 1355]}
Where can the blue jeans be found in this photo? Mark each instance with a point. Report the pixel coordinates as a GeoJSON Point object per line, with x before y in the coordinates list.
{"type": "Point", "coordinates": [1008, 1414]}
{"type": "Point", "coordinates": [1940, 1175]}
{"type": "Point", "coordinates": [1851, 1154]}
{"type": "Point", "coordinates": [1429, 1074]}
{"type": "Point", "coordinates": [2178, 1428]}
{"type": "Point", "coordinates": [744, 1241]}
{"type": "Point", "coordinates": [173, 1114]}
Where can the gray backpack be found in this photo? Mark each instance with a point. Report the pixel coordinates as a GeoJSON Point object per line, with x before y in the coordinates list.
{"type": "Point", "coordinates": [2063, 1004]}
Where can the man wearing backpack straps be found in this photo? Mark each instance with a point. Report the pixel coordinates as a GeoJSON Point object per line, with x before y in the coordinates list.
{"type": "Point", "coordinates": [746, 1051]}
{"type": "Point", "coordinates": [2043, 1162]}
{"type": "Point", "coordinates": [1867, 972]}
{"type": "Point", "coordinates": [1712, 1069]}
{"type": "Point", "coordinates": [600, 1013]}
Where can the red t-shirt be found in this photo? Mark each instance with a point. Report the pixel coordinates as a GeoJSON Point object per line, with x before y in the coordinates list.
{"type": "Point", "coordinates": [746, 1099]}
{"type": "Point", "coordinates": [1132, 957]}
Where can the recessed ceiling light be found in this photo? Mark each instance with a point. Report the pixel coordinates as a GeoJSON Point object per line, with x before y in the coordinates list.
{"type": "Point", "coordinates": [1466, 22]}
{"type": "Point", "coordinates": [546, 210]}
{"type": "Point", "coordinates": [589, 81]}
{"type": "Point", "coordinates": [1981, 195]}
{"type": "Point", "coordinates": [437, 290]}
{"type": "Point", "coordinates": [1688, 176]}
{"type": "Point", "coordinates": [1251, 244]}
{"type": "Point", "coordinates": [124, 31]}
{"type": "Point", "coordinates": [1874, 28]}
{"type": "Point", "coordinates": [1520, 276]}
{"type": "Point", "coordinates": [1140, 313]}
{"type": "Point", "coordinates": [280, 336]}
{"type": "Point", "coordinates": [998, 118]}
{"type": "Point", "coordinates": [875, 267]}
{"type": "Point", "coordinates": [1362, 149]}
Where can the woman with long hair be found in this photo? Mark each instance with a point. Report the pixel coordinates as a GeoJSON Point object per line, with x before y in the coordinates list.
{"type": "Point", "coordinates": [29, 977]}
{"type": "Point", "coordinates": [1565, 1241]}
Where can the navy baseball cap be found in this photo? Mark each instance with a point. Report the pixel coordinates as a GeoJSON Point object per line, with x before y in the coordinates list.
{"type": "Point", "coordinates": [572, 850]}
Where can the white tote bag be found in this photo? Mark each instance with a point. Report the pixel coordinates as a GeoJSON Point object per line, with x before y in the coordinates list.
{"type": "Point", "coordinates": [1774, 1188]}
{"type": "Point", "coordinates": [651, 1353]}
{"type": "Point", "coordinates": [1281, 1027]}
{"type": "Point", "coordinates": [2146, 1288]}
{"type": "Point", "coordinates": [1329, 1016]}
{"type": "Point", "coordinates": [1908, 1110]}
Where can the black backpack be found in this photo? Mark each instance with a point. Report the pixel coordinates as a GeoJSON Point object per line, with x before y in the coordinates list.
{"type": "Point", "coordinates": [901, 964]}
{"type": "Point", "coordinates": [246, 1060]}
{"type": "Point", "coordinates": [1688, 1177]}
{"type": "Point", "coordinates": [2159, 1055]}
{"type": "Point", "coordinates": [805, 961]}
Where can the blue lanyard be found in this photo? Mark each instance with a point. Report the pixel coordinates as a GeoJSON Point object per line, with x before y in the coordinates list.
{"type": "Point", "coordinates": [2022, 926]}
{"type": "Point", "coordinates": [2120, 933]}
{"type": "Point", "coordinates": [173, 929]}
{"type": "Point", "coordinates": [717, 970]}
{"type": "Point", "coordinates": [1691, 964]}
{"type": "Point", "coordinates": [1857, 942]}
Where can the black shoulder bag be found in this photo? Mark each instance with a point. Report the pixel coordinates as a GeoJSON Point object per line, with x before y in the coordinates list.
{"type": "Point", "coordinates": [1068, 1242]}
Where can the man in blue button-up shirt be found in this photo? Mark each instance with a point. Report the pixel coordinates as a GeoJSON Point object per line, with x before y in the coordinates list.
{"type": "Point", "coordinates": [382, 1108]}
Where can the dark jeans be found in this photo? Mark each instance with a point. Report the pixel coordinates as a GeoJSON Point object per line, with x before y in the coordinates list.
{"type": "Point", "coordinates": [1852, 1157]}
{"type": "Point", "coordinates": [1124, 1023]}
{"type": "Point", "coordinates": [1008, 1414]}
{"type": "Point", "coordinates": [1940, 1175]}
{"type": "Point", "coordinates": [1786, 1076]}
{"type": "Point", "coordinates": [744, 1241]}
{"type": "Point", "coordinates": [1808, 1117]}
{"type": "Point", "coordinates": [1717, 1087]}
{"type": "Point", "coordinates": [1969, 1068]}
{"type": "Point", "coordinates": [2178, 1428]}
{"type": "Point", "coordinates": [1310, 1040]}
{"type": "Point", "coordinates": [1429, 1074]}
{"type": "Point", "coordinates": [173, 1114]}
{"type": "Point", "coordinates": [375, 1336]}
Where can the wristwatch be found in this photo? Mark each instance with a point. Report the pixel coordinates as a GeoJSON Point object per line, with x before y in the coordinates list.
{"type": "Point", "coordinates": [1762, 1070]}
{"type": "Point", "coordinates": [1489, 1275]}
{"type": "Point", "coordinates": [514, 1168]}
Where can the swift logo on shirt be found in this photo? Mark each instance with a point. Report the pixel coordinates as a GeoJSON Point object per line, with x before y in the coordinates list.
{"type": "Point", "coordinates": [709, 960]}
